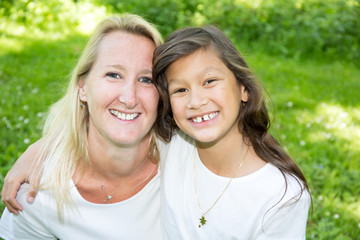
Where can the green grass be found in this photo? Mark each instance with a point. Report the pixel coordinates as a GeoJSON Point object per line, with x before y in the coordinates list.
{"type": "Point", "coordinates": [315, 106]}
{"type": "Point", "coordinates": [317, 119]}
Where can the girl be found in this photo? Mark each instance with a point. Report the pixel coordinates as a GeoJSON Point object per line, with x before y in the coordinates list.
{"type": "Point", "coordinates": [226, 177]}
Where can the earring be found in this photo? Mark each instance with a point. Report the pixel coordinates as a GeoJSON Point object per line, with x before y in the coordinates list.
{"type": "Point", "coordinates": [81, 102]}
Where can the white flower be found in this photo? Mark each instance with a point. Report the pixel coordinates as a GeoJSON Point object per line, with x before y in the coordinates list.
{"type": "Point", "coordinates": [336, 216]}
{"type": "Point", "coordinates": [289, 104]}
{"type": "Point", "coordinates": [302, 143]}
{"type": "Point", "coordinates": [25, 107]}
{"type": "Point", "coordinates": [26, 120]}
{"type": "Point", "coordinates": [320, 197]}
{"type": "Point", "coordinates": [26, 141]}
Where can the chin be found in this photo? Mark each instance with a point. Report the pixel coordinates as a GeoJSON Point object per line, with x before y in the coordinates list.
{"type": "Point", "coordinates": [203, 139]}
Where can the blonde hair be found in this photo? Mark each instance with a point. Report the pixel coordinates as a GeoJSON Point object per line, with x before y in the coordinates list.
{"type": "Point", "coordinates": [65, 143]}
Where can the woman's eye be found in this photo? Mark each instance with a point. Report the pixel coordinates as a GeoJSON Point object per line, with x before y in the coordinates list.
{"type": "Point", "coordinates": [146, 80]}
{"type": "Point", "coordinates": [113, 75]}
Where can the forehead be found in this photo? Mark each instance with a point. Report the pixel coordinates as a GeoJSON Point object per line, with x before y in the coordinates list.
{"type": "Point", "coordinates": [200, 61]}
{"type": "Point", "coordinates": [123, 45]}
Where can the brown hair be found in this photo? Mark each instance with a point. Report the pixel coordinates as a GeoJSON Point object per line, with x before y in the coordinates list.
{"type": "Point", "coordinates": [253, 121]}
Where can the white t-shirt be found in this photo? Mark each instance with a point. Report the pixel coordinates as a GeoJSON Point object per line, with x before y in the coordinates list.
{"type": "Point", "coordinates": [251, 207]}
{"type": "Point", "coordinates": [135, 218]}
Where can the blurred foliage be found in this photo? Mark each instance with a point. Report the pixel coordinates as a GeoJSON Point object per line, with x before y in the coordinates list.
{"type": "Point", "coordinates": [291, 28]}
{"type": "Point", "coordinates": [295, 28]}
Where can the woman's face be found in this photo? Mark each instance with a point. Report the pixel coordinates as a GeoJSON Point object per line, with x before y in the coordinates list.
{"type": "Point", "coordinates": [119, 92]}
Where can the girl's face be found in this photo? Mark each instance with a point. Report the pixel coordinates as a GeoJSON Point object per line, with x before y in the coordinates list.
{"type": "Point", "coordinates": [205, 96]}
{"type": "Point", "coordinates": [121, 97]}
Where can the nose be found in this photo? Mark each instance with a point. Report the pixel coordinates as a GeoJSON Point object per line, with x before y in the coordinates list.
{"type": "Point", "coordinates": [128, 96]}
{"type": "Point", "coordinates": [197, 100]}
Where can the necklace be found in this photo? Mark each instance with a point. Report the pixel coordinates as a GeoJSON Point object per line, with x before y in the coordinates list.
{"type": "Point", "coordinates": [108, 195]}
{"type": "Point", "coordinates": [203, 213]}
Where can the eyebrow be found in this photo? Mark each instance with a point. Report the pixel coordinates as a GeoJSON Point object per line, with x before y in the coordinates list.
{"type": "Point", "coordinates": [204, 71]}
{"type": "Point", "coordinates": [121, 67]}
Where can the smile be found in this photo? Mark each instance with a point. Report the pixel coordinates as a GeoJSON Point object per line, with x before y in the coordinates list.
{"type": "Point", "coordinates": [205, 117]}
{"type": "Point", "coordinates": [124, 116]}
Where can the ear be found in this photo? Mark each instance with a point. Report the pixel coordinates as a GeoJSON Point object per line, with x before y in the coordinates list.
{"type": "Point", "coordinates": [82, 91]}
{"type": "Point", "coordinates": [244, 93]}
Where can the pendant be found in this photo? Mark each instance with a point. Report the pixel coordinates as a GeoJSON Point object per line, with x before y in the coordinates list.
{"type": "Point", "coordinates": [202, 221]}
{"type": "Point", "coordinates": [108, 198]}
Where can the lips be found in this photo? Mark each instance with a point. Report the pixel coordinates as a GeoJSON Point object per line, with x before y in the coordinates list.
{"type": "Point", "coordinates": [205, 117]}
{"type": "Point", "coordinates": [124, 116]}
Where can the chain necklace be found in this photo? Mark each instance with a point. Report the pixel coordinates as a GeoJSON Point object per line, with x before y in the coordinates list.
{"type": "Point", "coordinates": [109, 196]}
{"type": "Point", "coordinates": [202, 219]}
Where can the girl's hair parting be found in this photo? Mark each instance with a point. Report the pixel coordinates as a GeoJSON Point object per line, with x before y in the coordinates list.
{"type": "Point", "coordinates": [254, 121]}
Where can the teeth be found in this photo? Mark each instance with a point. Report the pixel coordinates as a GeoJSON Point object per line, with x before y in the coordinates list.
{"type": "Point", "coordinates": [124, 116]}
{"type": "Point", "coordinates": [206, 117]}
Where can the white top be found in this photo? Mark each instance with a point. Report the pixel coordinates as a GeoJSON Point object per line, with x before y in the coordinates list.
{"type": "Point", "coordinates": [251, 208]}
{"type": "Point", "coordinates": [134, 218]}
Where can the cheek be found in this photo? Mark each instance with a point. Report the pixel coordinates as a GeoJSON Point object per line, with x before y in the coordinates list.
{"type": "Point", "coordinates": [150, 99]}
{"type": "Point", "coordinates": [176, 107]}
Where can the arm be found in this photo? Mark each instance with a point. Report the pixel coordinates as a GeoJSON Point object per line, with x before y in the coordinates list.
{"type": "Point", "coordinates": [30, 223]}
{"type": "Point", "coordinates": [17, 175]}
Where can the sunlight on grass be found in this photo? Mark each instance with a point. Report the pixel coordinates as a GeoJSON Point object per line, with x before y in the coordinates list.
{"type": "Point", "coordinates": [84, 16]}
{"type": "Point", "coordinates": [12, 45]}
{"type": "Point", "coordinates": [337, 123]}
{"type": "Point", "coordinates": [354, 208]}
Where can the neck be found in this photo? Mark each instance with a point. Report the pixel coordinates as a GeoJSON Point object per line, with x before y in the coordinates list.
{"type": "Point", "coordinates": [224, 156]}
{"type": "Point", "coordinates": [113, 161]}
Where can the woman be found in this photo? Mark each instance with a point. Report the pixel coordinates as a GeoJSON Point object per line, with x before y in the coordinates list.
{"type": "Point", "coordinates": [99, 158]}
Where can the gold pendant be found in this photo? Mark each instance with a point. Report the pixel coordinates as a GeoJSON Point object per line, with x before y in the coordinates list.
{"type": "Point", "coordinates": [202, 221]}
{"type": "Point", "coordinates": [108, 198]}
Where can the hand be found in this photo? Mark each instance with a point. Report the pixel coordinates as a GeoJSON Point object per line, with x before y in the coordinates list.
{"type": "Point", "coordinates": [22, 171]}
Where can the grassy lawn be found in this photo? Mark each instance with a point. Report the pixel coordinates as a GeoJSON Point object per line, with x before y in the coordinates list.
{"type": "Point", "coordinates": [314, 103]}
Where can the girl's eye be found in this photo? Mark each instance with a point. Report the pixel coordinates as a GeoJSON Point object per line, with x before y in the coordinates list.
{"type": "Point", "coordinates": [145, 80]}
{"type": "Point", "coordinates": [113, 75]}
{"type": "Point", "coordinates": [207, 82]}
{"type": "Point", "coordinates": [180, 90]}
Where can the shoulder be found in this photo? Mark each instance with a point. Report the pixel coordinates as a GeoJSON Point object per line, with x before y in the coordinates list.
{"type": "Point", "coordinates": [179, 150]}
{"type": "Point", "coordinates": [181, 139]}
{"type": "Point", "coordinates": [286, 213]}
{"type": "Point", "coordinates": [181, 146]}
{"type": "Point", "coordinates": [285, 187]}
